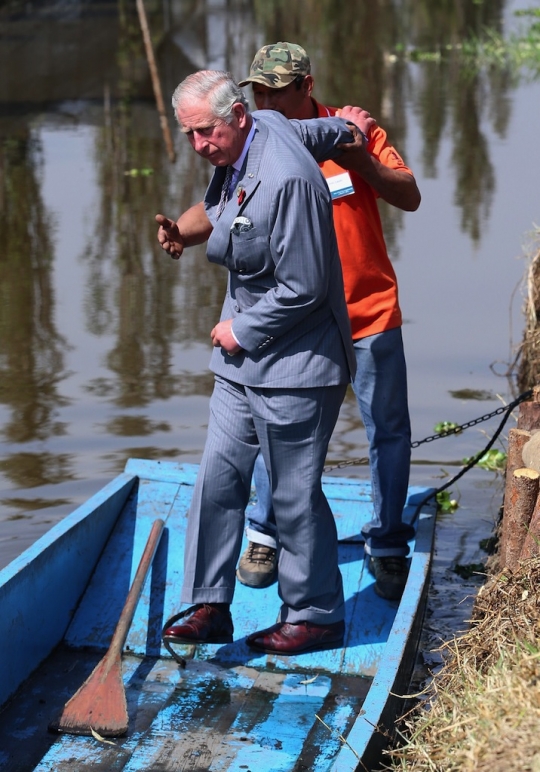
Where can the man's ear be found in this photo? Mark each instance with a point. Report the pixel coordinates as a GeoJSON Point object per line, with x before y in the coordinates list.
{"type": "Point", "coordinates": [239, 112]}
{"type": "Point", "coordinates": [307, 85]}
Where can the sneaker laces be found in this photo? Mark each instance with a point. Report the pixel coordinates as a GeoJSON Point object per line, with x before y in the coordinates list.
{"type": "Point", "coordinates": [260, 553]}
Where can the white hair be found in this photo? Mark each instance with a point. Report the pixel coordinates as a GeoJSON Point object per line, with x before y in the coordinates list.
{"type": "Point", "coordinates": [216, 86]}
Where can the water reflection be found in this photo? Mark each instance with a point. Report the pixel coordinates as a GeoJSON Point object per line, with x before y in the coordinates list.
{"type": "Point", "coordinates": [353, 50]}
{"type": "Point", "coordinates": [31, 348]}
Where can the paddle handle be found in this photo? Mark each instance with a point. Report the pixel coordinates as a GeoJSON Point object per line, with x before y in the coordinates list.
{"type": "Point", "coordinates": [126, 617]}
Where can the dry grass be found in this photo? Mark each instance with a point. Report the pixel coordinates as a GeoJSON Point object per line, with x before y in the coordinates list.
{"type": "Point", "coordinates": [482, 710]}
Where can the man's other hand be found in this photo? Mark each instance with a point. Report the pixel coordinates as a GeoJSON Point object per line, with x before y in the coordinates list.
{"type": "Point", "coordinates": [358, 116]}
{"type": "Point", "coordinates": [222, 336]}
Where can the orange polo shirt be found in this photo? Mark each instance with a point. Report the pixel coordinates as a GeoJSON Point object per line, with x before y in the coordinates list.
{"type": "Point", "coordinates": [370, 281]}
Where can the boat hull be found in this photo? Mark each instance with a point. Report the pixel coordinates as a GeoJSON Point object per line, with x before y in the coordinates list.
{"type": "Point", "coordinates": [230, 708]}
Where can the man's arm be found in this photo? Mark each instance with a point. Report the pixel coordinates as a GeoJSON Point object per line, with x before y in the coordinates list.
{"type": "Point", "coordinates": [192, 227]}
{"type": "Point", "coordinates": [395, 186]}
{"type": "Point", "coordinates": [322, 137]}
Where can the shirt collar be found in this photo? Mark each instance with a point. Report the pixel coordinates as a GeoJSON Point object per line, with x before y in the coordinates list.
{"type": "Point", "coordinates": [237, 165]}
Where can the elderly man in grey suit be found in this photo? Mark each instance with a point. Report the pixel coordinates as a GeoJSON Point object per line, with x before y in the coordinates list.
{"type": "Point", "coordinates": [282, 360]}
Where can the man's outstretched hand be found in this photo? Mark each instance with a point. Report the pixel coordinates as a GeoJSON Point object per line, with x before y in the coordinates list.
{"type": "Point", "coordinates": [169, 236]}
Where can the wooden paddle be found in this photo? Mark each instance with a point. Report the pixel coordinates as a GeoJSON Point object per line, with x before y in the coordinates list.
{"type": "Point", "coordinates": [99, 706]}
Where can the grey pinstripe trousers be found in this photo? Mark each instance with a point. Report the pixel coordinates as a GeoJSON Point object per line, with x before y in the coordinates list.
{"type": "Point", "coordinates": [293, 428]}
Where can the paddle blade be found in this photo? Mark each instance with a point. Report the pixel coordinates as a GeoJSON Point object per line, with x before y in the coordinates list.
{"type": "Point", "coordinates": [99, 705]}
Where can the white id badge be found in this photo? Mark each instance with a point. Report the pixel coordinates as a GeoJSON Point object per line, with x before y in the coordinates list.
{"type": "Point", "coordinates": [340, 185]}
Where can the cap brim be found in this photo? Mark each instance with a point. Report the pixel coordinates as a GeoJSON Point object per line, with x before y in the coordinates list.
{"type": "Point", "coordinates": [265, 81]}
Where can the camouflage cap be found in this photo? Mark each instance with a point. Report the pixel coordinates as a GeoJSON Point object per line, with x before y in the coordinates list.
{"type": "Point", "coordinates": [277, 65]}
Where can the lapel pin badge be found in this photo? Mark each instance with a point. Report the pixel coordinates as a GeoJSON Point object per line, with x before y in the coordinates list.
{"type": "Point", "coordinates": [240, 194]}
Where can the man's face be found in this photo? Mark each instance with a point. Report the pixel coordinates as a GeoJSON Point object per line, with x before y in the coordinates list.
{"type": "Point", "coordinates": [212, 138]}
{"type": "Point", "coordinates": [291, 101]}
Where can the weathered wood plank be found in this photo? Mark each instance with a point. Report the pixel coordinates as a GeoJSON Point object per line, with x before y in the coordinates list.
{"type": "Point", "coordinates": [149, 685]}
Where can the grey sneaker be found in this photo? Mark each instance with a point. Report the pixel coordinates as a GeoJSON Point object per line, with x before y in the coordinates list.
{"type": "Point", "coordinates": [257, 566]}
{"type": "Point", "coordinates": [390, 574]}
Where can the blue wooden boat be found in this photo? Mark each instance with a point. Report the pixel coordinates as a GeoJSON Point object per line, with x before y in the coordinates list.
{"type": "Point", "coordinates": [230, 708]}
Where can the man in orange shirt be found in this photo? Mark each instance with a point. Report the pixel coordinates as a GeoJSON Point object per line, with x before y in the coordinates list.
{"type": "Point", "coordinates": [281, 78]}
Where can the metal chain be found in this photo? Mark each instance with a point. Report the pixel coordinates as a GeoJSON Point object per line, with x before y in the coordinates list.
{"type": "Point", "coordinates": [456, 430]}
{"type": "Point", "coordinates": [343, 464]}
{"type": "Point", "coordinates": [474, 422]}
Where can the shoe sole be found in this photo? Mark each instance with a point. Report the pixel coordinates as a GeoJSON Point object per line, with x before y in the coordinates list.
{"type": "Point", "coordinates": [261, 585]}
{"type": "Point", "coordinates": [316, 647]}
{"type": "Point", "coordinates": [215, 639]}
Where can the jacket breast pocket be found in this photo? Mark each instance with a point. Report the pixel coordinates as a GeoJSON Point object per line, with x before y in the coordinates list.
{"type": "Point", "coordinates": [248, 252]}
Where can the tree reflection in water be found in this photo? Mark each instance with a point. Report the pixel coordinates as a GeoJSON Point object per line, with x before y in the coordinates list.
{"type": "Point", "coordinates": [31, 348]}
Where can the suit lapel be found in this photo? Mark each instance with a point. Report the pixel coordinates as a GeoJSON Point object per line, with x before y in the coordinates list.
{"type": "Point", "coordinates": [248, 180]}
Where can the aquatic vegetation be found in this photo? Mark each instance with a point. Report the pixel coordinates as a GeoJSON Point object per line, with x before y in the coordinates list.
{"type": "Point", "coordinates": [468, 570]}
{"type": "Point", "coordinates": [447, 427]}
{"type": "Point", "coordinates": [493, 50]}
{"type": "Point", "coordinates": [445, 503]}
{"type": "Point", "coordinates": [493, 460]}
{"type": "Point", "coordinates": [139, 172]}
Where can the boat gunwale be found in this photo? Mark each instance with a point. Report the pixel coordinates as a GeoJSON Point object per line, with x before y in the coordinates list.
{"type": "Point", "coordinates": [375, 725]}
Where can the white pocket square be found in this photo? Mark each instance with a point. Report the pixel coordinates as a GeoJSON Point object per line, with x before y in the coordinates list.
{"type": "Point", "coordinates": [241, 225]}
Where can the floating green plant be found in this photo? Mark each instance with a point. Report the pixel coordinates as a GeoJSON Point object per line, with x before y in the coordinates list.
{"type": "Point", "coordinates": [493, 460]}
{"type": "Point", "coordinates": [468, 570]}
{"type": "Point", "coordinates": [139, 172]}
{"type": "Point", "coordinates": [447, 427]}
{"type": "Point", "coordinates": [445, 503]}
{"type": "Point", "coordinates": [514, 52]}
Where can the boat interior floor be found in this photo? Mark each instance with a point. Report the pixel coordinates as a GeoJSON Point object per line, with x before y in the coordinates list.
{"type": "Point", "coordinates": [179, 719]}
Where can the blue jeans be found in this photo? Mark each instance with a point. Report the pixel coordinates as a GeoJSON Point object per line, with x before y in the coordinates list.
{"type": "Point", "coordinates": [380, 388]}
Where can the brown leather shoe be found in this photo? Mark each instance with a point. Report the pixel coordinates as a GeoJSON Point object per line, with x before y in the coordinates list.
{"type": "Point", "coordinates": [206, 623]}
{"type": "Point", "coordinates": [287, 638]}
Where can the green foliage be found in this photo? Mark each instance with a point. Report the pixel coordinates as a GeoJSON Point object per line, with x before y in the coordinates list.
{"type": "Point", "coordinates": [447, 427]}
{"type": "Point", "coordinates": [491, 50]}
{"type": "Point", "coordinates": [139, 172]}
{"type": "Point", "coordinates": [445, 503]}
{"type": "Point", "coordinates": [493, 460]}
{"type": "Point", "coordinates": [468, 570]}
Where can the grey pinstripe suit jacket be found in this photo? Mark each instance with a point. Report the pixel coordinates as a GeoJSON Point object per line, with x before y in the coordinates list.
{"type": "Point", "coordinates": [285, 289]}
